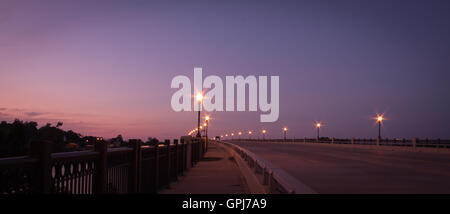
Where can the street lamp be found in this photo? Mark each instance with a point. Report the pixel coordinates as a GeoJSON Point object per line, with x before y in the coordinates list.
{"type": "Point", "coordinates": [249, 134]}
{"type": "Point", "coordinates": [199, 98]}
{"type": "Point", "coordinates": [239, 133]}
{"type": "Point", "coordinates": [206, 125]}
{"type": "Point", "coordinates": [264, 134]}
{"type": "Point", "coordinates": [379, 121]}
{"type": "Point", "coordinates": [318, 125]}
{"type": "Point", "coordinates": [285, 130]}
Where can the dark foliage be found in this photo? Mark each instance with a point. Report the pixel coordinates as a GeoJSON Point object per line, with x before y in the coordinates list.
{"type": "Point", "coordinates": [15, 137]}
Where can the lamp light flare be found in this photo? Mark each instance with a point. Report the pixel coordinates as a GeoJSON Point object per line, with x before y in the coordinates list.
{"type": "Point", "coordinates": [318, 125]}
{"type": "Point", "coordinates": [380, 118]}
{"type": "Point", "coordinates": [199, 97]}
{"type": "Point", "coordinates": [207, 118]}
{"type": "Point", "coordinates": [263, 131]}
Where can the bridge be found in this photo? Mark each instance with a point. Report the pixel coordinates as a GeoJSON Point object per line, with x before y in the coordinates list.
{"type": "Point", "coordinates": [194, 165]}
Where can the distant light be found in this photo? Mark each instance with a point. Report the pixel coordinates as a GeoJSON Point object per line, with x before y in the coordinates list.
{"type": "Point", "coordinates": [318, 125]}
{"type": "Point", "coordinates": [204, 124]}
{"type": "Point", "coordinates": [263, 131]}
{"type": "Point", "coordinates": [207, 118]}
{"type": "Point", "coordinates": [284, 129]}
{"type": "Point", "coordinates": [239, 133]}
{"type": "Point", "coordinates": [249, 132]}
{"type": "Point", "coordinates": [232, 134]}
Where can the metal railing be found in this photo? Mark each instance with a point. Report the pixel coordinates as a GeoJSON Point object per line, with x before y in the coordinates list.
{"type": "Point", "coordinates": [414, 142]}
{"type": "Point", "coordinates": [133, 169]}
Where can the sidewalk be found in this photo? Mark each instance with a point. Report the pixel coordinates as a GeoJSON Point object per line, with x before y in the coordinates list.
{"type": "Point", "coordinates": [217, 173]}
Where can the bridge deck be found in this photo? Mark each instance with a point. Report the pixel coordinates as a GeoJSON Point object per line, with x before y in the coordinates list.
{"type": "Point", "coordinates": [346, 169]}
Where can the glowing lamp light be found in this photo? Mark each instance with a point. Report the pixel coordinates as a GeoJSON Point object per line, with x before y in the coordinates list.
{"type": "Point", "coordinates": [239, 133]}
{"type": "Point", "coordinates": [284, 129]}
{"type": "Point", "coordinates": [380, 118]}
{"type": "Point", "coordinates": [249, 132]}
{"type": "Point", "coordinates": [264, 131]}
{"type": "Point", "coordinates": [318, 125]}
{"type": "Point", "coordinates": [199, 97]}
{"type": "Point", "coordinates": [207, 118]}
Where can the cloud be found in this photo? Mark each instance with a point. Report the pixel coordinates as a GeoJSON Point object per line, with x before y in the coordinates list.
{"type": "Point", "coordinates": [34, 114]}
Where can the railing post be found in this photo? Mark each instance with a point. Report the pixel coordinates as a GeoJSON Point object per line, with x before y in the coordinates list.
{"type": "Point", "coordinates": [183, 156]}
{"type": "Point", "coordinates": [177, 159]}
{"type": "Point", "coordinates": [189, 154]}
{"type": "Point", "coordinates": [353, 140]}
{"type": "Point", "coordinates": [133, 173]}
{"type": "Point", "coordinates": [167, 143]}
{"type": "Point", "coordinates": [156, 173]}
{"type": "Point", "coordinates": [414, 143]}
{"type": "Point", "coordinates": [41, 151]}
{"type": "Point", "coordinates": [378, 141]}
{"type": "Point", "coordinates": [200, 149]}
{"type": "Point", "coordinates": [99, 180]}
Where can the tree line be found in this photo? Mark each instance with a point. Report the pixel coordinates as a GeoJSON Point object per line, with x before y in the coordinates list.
{"type": "Point", "coordinates": [15, 138]}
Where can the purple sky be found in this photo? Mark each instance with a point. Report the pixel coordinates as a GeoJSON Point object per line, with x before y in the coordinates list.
{"type": "Point", "coordinates": [105, 67]}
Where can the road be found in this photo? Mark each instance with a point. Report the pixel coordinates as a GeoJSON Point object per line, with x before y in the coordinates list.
{"type": "Point", "coordinates": [345, 169]}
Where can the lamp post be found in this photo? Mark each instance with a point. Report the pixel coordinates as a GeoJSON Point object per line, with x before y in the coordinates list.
{"type": "Point", "coordinates": [199, 100]}
{"type": "Point", "coordinates": [318, 125]}
{"type": "Point", "coordinates": [205, 129]}
{"type": "Point", "coordinates": [285, 130]}
{"type": "Point", "coordinates": [239, 133]}
{"type": "Point", "coordinates": [232, 134]}
{"type": "Point", "coordinates": [250, 134]}
{"type": "Point", "coordinates": [379, 121]}
{"type": "Point", "coordinates": [206, 125]}
{"type": "Point", "coordinates": [264, 134]}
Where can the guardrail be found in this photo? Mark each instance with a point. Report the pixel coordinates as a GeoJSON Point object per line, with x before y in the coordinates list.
{"type": "Point", "coordinates": [414, 142]}
{"type": "Point", "coordinates": [133, 169]}
{"type": "Point", "coordinates": [274, 179]}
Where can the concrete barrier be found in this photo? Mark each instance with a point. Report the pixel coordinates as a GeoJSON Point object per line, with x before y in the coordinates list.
{"type": "Point", "coordinates": [262, 176]}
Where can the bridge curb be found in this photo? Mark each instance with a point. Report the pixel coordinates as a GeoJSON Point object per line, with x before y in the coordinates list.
{"type": "Point", "coordinates": [271, 178]}
{"type": "Point", "coordinates": [253, 184]}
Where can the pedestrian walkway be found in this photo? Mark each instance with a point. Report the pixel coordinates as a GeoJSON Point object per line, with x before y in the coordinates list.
{"type": "Point", "coordinates": [217, 173]}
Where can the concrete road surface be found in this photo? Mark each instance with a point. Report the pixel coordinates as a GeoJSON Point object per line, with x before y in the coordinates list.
{"type": "Point", "coordinates": [346, 169]}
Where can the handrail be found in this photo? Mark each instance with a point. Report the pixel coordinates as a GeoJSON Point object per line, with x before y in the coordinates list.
{"type": "Point", "coordinates": [16, 161]}
{"type": "Point", "coordinates": [119, 150]}
{"type": "Point", "coordinates": [74, 155]}
{"type": "Point", "coordinates": [288, 183]}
